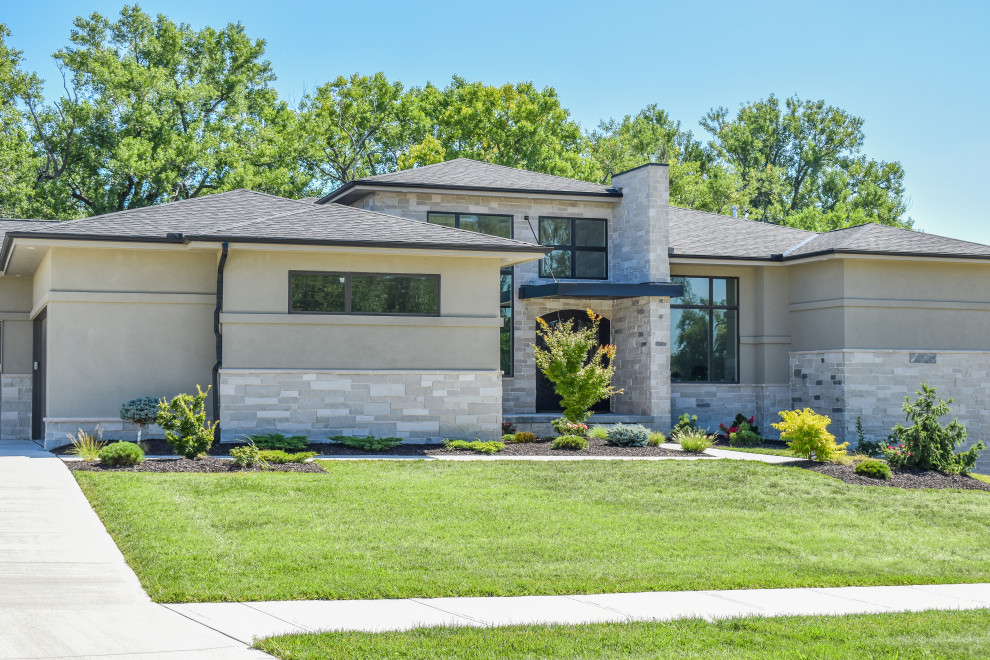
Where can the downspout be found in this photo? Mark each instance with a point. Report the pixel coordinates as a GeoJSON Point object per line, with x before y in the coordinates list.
{"type": "Point", "coordinates": [216, 331]}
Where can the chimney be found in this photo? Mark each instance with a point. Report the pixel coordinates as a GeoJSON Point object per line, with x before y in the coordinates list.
{"type": "Point", "coordinates": [639, 234]}
{"type": "Point", "coordinates": [735, 211]}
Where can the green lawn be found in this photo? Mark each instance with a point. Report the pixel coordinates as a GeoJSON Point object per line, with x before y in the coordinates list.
{"type": "Point", "coordinates": [903, 636]}
{"type": "Point", "coordinates": [380, 529]}
{"type": "Point", "coordinates": [981, 477]}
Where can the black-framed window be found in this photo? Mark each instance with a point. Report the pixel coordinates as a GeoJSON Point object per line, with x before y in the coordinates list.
{"type": "Point", "coordinates": [384, 294]}
{"type": "Point", "coordinates": [580, 248]}
{"type": "Point", "coordinates": [493, 224]}
{"type": "Point", "coordinates": [704, 330]}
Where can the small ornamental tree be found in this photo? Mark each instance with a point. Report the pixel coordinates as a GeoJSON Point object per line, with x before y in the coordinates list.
{"type": "Point", "coordinates": [142, 411]}
{"type": "Point", "coordinates": [926, 444]}
{"type": "Point", "coordinates": [806, 433]}
{"type": "Point", "coordinates": [579, 367]}
{"type": "Point", "coordinates": [184, 421]}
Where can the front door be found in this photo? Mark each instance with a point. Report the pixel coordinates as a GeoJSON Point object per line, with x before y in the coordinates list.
{"type": "Point", "coordinates": [547, 399]}
{"type": "Point", "coordinates": [39, 405]}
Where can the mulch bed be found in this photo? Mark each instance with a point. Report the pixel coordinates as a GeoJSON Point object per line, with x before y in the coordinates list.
{"type": "Point", "coordinates": [898, 478]}
{"type": "Point", "coordinates": [542, 448]}
{"type": "Point", "coordinates": [205, 464]}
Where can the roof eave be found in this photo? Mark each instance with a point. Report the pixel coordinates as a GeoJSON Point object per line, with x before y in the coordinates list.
{"type": "Point", "coordinates": [343, 193]}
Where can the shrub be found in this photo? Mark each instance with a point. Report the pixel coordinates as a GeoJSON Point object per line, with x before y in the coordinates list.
{"type": "Point", "coordinates": [247, 455]}
{"type": "Point", "coordinates": [509, 437]}
{"type": "Point", "coordinates": [571, 442]}
{"type": "Point", "coordinates": [508, 428]}
{"type": "Point", "coordinates": [86, 446]}
{"type": "Point", "coordinates": [622, 435]}
{"type": "Point", "coordinates": [121, 453]}
{"type": "Point", "coordinates": [750, 422]}
{"type": "Point", "coordinates": [564, 427]}
{"type": "Point", "coordinates": [490, 447]}
{"type": "Point", "coordinates": [184, 421]}
{"type": "Point", "coordinates": [744, 435]}
{"type": "Point", "coordinates": [926, 444]}
{"type": "Point", "coordinates": [278, 457]}
{"type": "Point", "coordinates": [142, 411]}
{"type": "Point", "coordinates": [279, 441]}
{"type": "Point", "coordinates": [694, 440]}
{"type": "Point", "coordinates": [369, 443]}
{"type": "Point", "coordinates": [686, 422]}
{"type": "Point", "coordinates": [806, 433]}
{"type": "Point", "coordinates": [523, 436]}
{"type": "Point", "coordinates": [865, 445]}
{"type": "Point", "coordinates": [579, 367]}
{"type": "Point", "coordinates": [597, 432]}
{"type": "Point", "coordinates": [656, 439]}
{"type": "Point", "coordinates": [871, 467]}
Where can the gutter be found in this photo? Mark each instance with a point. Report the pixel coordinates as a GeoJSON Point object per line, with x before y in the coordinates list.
{"type": "Point", "coordinates": [217, 331]}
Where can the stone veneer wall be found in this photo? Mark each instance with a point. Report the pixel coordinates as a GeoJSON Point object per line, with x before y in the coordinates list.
{"type": "Point", "coordinates": [872, 384]}
{"type": "Point", "coordinates": [15, 406]}
{"type": "Point", "coordinates": [641, 333]}
{"type": "Point", "coordinates": [716, 403]}
{"type": "Point", "coordinates": [57, 429]}
{"type": "Point", "coordinates": [419, 406]}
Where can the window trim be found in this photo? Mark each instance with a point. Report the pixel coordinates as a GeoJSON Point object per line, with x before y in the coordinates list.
{"type": "Point", "coordinates": [711, 308]}
{"type": "Point", "coordinates": [347, 292]}
{"type": "Point", "coordinates": [572, 248]}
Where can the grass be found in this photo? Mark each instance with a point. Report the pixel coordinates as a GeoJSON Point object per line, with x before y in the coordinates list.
{"type": "Point", "coordinates": [372, 529]}
{"type": "Point", "coordinates": [773, 451]}
{"type": "Point", "coordinates": [981, 477]}
{"type": "Point", "coordinates": [964, 634]}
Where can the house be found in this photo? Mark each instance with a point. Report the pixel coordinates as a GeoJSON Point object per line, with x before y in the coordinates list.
{"type": "Point", "coordinates": [406, 304]}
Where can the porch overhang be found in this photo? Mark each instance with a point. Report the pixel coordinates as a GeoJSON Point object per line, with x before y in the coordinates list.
{"type": "Point", "coordinates": [600, 290]}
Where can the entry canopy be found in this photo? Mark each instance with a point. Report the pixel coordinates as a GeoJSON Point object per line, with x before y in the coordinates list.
{"type": "Point", "coordinates": [600, 290]}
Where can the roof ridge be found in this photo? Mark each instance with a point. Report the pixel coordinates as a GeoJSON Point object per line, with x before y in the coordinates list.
{"type": "Point", "coordinates": [488, 164]}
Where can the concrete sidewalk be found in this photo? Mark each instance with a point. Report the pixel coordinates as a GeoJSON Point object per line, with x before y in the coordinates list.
{"type": "Point", "coordinates": [65, 590]}
{"type": "Point", "coordinates": [246, 621]}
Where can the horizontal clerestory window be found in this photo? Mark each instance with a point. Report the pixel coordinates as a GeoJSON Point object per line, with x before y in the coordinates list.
{"type": "Point", "coordinates": [364, 293]}
{"type": "Point", "coordinates": [704, 330]}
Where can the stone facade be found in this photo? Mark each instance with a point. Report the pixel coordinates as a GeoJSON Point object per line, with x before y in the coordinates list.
{"type": "Point", "coordinates": [716, 403]}
{"type": "Point", "coordinates": [872, 385]}
{"type": "Point", "coordinates": [418, 406]}
{"type": "Point", "coordinates": [15, 406]}
{"type": "Point", "coordinates": [641, 333]}
{"type": "Point", "coordinates": [640, 231]}
{"type": "Point", "coordinates": [57, 430]}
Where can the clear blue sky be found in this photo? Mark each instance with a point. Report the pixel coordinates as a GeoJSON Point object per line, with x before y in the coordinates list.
{"type": "Point", "coordinates": [917, 72]}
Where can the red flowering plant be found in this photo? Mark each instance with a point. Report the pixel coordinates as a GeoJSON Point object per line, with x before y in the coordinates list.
{"type": "Point", "coordinates": [508, 428]}
{"type": "Point", "coordinates": [742, 431]}
{"type": "Point", "coordinates": [898, 456]}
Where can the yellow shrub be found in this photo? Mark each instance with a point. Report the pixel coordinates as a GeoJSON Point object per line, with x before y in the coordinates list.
{"type": "Point", "coordinates": [806, 433]}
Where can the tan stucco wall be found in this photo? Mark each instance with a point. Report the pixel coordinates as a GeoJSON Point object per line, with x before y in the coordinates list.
{"type": "Point", "coordinates": [813, 325]}
{"type": "Point", "coordinates": [259, 333]}
{"type": "Point", "coordinates": [15, 304]}
{"type": "Point", "coordinates": [124, 323]}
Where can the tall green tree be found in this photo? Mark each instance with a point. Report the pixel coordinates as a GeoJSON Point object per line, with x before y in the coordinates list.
{"type": "Point", "coordinates": [515, 125]}
{"type": "Point", "coordinates": [19, 162]}
{"type": "Point", "coordinates": [355, 127]}
{"type": "Point", "coordinates": [156, 111]}
{"type": "Point", "coordinates": [800, 164]}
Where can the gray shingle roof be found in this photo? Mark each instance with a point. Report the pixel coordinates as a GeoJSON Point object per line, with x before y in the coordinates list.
{"type": "Point", "coordinates": [701, 234]}
{"type": "Point", "coordinates": [698, 233]}
{"type": "Point", "coordinates": [464, 173]}
{"type": "Point", "coordinates": [7, 225]}
{"type": "Point", "coordinates": [257, 217]}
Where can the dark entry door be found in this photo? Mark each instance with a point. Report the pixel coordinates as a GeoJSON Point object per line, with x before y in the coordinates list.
{"type": "Point", "coordinates": [546, 397]}
{"type": "Point", "coordinates": [39, 404]}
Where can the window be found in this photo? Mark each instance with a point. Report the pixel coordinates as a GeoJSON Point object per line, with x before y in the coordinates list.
{"type": "Point", "coordinates": [364, 293]}
{"type": "Point", "coordinates": [704, 330]}
{"type": "Point", "coordinates": [579, 248]}
{"type": "Point", "coordinates": [494, 225]}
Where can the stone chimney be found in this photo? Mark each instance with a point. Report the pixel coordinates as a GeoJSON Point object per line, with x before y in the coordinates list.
{"type": "Point", "coordinates": [640, 231]}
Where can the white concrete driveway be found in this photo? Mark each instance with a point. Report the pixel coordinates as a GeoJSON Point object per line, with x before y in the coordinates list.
{"type": "Point", "coordinates": [65, 590]}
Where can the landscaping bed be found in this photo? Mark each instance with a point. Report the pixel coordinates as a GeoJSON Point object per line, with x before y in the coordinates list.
{"type": "Point", "coordinates": [902, 478]}
{"type": "Point", "coordinates": [204, 464]}
{"type": "Point", "coordinates": [542, 447]}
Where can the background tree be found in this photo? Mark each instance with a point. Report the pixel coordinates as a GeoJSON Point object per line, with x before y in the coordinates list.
{"type": "Point", "coordinates": [155, 111]}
